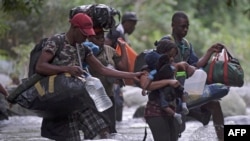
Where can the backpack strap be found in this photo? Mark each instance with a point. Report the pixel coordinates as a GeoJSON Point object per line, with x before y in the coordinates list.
{"type": "Point", "coordinates": [171, 37]}
{"type": "Point", "coordinates": [181, 47]}
{"type": "Point", "coordinates": [61, 44]}
{"type": "Point", "coordinates": [186, 42]}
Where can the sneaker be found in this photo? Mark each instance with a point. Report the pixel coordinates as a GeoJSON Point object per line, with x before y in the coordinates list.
{"type": "Point", "coordinates": [178, 118]}
{"type": "Point", "coordinates": [185, 110]}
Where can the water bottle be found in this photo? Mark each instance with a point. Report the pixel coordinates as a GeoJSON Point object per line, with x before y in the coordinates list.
{"type": "Point", "coordinates": [97, 93]}
{"type": "Point", "coordinates": [151, 74]}
{"type": "Point", "coordinates": [194, 85]}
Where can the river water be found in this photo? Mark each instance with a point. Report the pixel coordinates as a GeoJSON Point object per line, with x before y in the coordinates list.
{"type": "Point", "coordinates": [27, 128]}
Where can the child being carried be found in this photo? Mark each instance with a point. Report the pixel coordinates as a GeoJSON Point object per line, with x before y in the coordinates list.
{"type": "Point", "coordinates": [162, 67]}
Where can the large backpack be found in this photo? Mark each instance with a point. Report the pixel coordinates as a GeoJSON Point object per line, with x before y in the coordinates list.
{"type": "Point", "coordinates": [102, 15]}
{"type": "Point", "coordinates": [37, 50]}
{"type": "Point", "coordinates": [50, 96]}
{"type": "Point", "coordinates": [140, 60]}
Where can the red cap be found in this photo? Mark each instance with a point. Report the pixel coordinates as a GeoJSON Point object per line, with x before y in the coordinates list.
{"type": "Point", "coordinates": [84, 23]}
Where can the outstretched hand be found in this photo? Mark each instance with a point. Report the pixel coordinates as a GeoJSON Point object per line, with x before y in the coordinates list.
{"type": "Point", "coordinates": [138, 75]}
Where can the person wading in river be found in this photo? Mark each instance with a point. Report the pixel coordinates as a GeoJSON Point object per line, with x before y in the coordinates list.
{"type": "Point", "coordinates": [88, 120]}
{"type": "Point", "coordinates": [180, 25]}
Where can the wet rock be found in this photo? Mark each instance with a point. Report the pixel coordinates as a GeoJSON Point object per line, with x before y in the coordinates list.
{"type": "Point", "coordinates": [5, 79]}
{"type": "Point", "coordinates": [233, 104]}
{"type": "Point", "coordinates": [238, 120]}
{"type": "Point", "coordinates": [133, 97]}
{"type": "Point", "coordinates": [244, 92]}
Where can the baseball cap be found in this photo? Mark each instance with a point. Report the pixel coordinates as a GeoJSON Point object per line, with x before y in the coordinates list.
{"type": "Point", "coordinates": [129, 16]}
{"type": "Point", "coordinates": [84, 23]}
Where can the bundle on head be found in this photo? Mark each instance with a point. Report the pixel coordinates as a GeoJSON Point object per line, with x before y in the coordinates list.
{"type": "Point", "coordinates": [101, 14]}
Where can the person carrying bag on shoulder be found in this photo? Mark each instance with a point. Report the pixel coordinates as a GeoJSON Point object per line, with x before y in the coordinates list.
{"type": "Point", "coordinates": [87, 118]}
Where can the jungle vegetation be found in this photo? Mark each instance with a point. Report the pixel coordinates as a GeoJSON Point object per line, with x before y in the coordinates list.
{"type": "Point", "coordinates": [24, 22]}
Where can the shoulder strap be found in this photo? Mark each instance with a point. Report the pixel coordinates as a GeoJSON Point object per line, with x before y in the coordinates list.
{"type": "Point", "coordinates": [61, 44]}
{"type": "Point", "coordinates": [171, 37]}
{"type": "Point", "coordinates": [187, 43]}
{"type": "Point", "coordinates": [185, 40]}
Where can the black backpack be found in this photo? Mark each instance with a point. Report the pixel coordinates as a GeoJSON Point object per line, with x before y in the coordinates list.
{"type": "Point", "coordinates": [102, 15]}
{"type": "Point", "coordinates": [37, 50]}
{"type": "Point", "coordinates": [140, 60]}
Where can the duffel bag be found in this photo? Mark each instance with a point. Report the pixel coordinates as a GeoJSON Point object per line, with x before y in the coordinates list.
{"type": "Point", "coordinates": [55, 95]}
{"type": "Point", "coordinates": [226, 70]}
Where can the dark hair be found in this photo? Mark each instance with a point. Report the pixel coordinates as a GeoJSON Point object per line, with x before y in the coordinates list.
{"type": "Point", "coordinates": [165, 45]}
{"type": "Point", "coordinates": [162, 60]}
{"type": "Point", "coordinates": [113, 35]}
{"type": "Point", "coordinates": [164, 68]}
{"type": "Point", "coordinates": [129, 16]}
{"type": "Point", "coordinates": [177, 15]}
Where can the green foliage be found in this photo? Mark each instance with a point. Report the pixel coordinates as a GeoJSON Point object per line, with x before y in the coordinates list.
{"type": "Point", "coordinates": [24, 22]}
{"type": "Point", "coordinates": [23, 6]}
{"type": "Point", "coordinates": [3, 28]}
{"type": "Point", "coordinates": [4, 55]}
{"type": "Point", "coordinates": [22, 59]}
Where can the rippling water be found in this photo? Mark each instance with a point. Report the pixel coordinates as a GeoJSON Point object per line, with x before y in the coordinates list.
{"type": "Point", "coordinates": [27, 128]}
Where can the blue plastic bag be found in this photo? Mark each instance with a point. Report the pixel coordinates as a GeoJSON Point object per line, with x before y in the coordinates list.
{"type": "Point", "coordinates": [211, 92]}
{"type": "Point", "coordinates": [91, 46]}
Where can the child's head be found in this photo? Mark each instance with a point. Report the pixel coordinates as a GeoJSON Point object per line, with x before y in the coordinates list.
{"type": "Point", "coordinates": [164, 68]}
{"type": "Point", "coordinates": [162, 60]}
{"type": "Point", "coordinates": [151, 59]}
{"type": "Point", "coordinates": [163, 46]}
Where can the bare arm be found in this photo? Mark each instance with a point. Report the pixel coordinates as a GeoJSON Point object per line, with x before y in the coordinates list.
{"type": "Point", "coordinates": [157, 84]}
{"type": "Point", "coordinates": [44, 67]}
{"type": "Point", "coordinates": [96, 65]}
{"type": "Point", "coordinates": [205, 58]}
{"type": "Point", "coordinates": [162, 83]}
{"type": "Point", "coordinates": [123, 63]}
